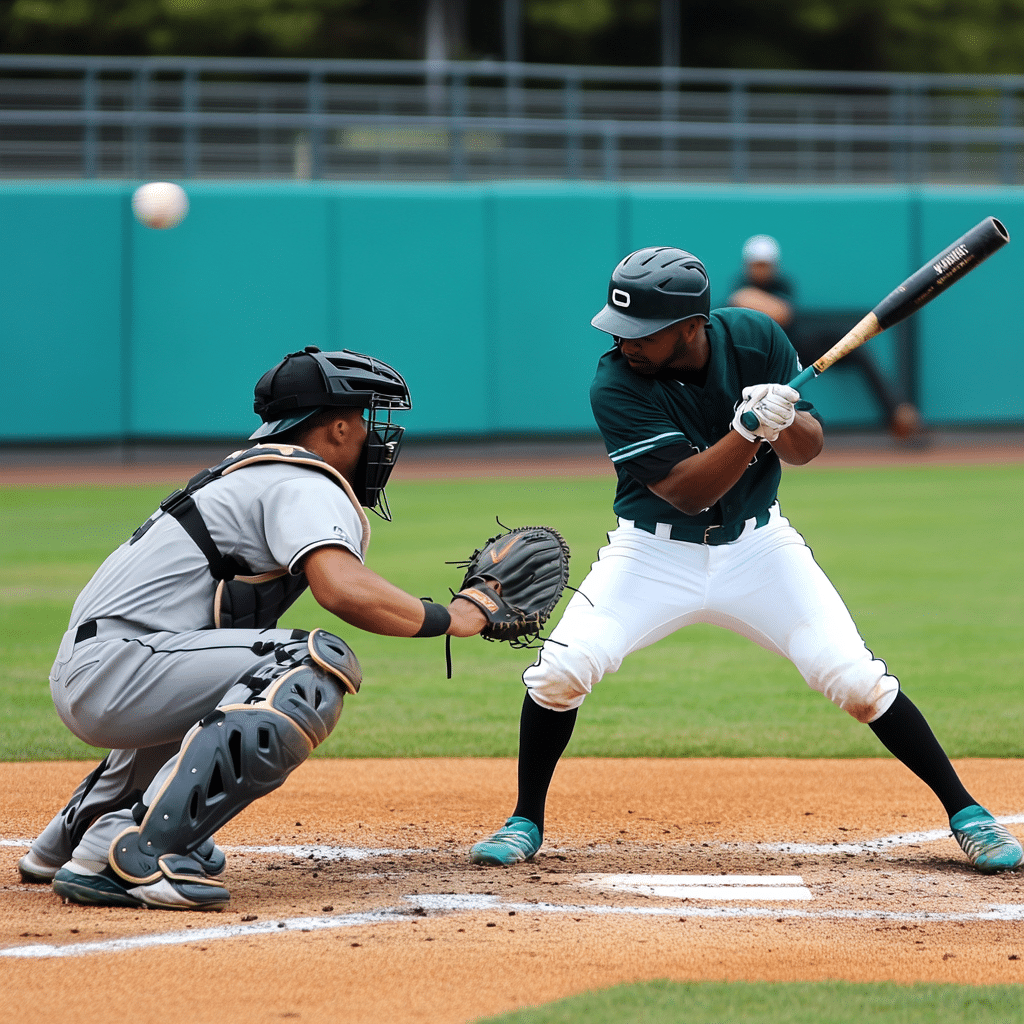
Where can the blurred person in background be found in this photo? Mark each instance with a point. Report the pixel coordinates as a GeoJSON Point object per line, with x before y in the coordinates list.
{"type": "Point", "coordinates": [764, 287]}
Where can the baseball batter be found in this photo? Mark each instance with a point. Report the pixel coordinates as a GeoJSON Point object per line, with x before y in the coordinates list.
{"type": "Point", "coordinates": [701, 538]}
{"type": "Point", "coordinates": [172, 657]}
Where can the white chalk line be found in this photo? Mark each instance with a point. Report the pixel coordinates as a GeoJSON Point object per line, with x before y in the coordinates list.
{"type": "Point", "coordinates": [808, 849]}
{"type": "Point", "coordinates": [195, 935]}
{"type": "Point", "coordinates": [874, 845]}
{"type": "Point", "coordinates": [449, 903]}
{"type": "Point", "coordinates": [309, 852]}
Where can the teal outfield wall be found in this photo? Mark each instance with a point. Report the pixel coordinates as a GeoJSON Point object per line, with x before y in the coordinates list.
{"type": "Point", "coordinates": [480, 294]}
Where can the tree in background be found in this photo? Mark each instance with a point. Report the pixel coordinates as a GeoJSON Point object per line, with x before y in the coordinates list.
{"type": "Point", "coordinates": [869, 35]}
{"type": "Point", "coordinates": [213, 28]}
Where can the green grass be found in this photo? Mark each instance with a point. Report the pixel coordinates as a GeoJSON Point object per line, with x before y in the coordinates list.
{"type": "Point", "coordinates": [837, 1002]}
{"type": "Point", "coordinates": [928, 559]}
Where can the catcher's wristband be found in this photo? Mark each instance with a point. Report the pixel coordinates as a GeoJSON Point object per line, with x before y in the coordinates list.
{"type": "Point", "coordinates": [436, 620]}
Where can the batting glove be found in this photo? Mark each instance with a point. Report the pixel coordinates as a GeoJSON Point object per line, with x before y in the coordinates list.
{"type": "Point", "coordinates": [774, 405]}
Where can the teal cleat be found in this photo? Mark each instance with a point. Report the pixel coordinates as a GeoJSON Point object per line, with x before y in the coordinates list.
{"type": "Point", "coordinates": [183, 886]}
{"type": "Point", "coordinates": [519, 840]}
{"type": "Point", "coordinates": [989, 846]}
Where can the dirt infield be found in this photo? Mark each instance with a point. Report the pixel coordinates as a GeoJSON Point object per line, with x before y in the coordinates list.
{"type": "Point", "coordinates": [352, 897]}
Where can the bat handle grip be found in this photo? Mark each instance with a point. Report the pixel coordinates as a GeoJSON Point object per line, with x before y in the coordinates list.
{"type": "Point", "coordinates": [751, 422]}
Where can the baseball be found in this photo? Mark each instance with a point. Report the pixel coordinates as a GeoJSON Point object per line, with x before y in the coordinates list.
{"type": "Point", "coordinates": [160, 204]}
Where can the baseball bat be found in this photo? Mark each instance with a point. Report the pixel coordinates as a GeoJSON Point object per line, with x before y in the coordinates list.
{"type": "Point", "coordinates": [953, 263]}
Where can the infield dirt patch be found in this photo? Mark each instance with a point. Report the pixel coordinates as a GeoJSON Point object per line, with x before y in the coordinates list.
{"type": "Point", "coordinates": [362, 906]}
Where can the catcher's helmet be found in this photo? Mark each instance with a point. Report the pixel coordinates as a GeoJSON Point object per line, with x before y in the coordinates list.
{"type": "Point", "coordinates": [654, 288]}
{"type": "Point", "coordinates": [305, 382]}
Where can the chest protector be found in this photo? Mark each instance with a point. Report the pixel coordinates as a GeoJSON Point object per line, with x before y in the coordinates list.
{"type": "Point", "coordinates": [245, 600]}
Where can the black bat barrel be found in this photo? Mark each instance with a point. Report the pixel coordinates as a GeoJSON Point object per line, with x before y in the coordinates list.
{"type": "Point", "coordinates": [939, 273]}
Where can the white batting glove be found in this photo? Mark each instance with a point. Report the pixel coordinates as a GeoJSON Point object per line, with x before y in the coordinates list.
{"type": "Point", "coordinates": [751, 396]}
{"type": "Point", "coordinates": [774, 406]}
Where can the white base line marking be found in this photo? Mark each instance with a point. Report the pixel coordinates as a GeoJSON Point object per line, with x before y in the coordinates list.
{"type": "Point", "coordinates": [231, 931]}
{"type": "Point", "coordinates": [706, 887]}
{"type": "Point", "coordinates": [317, 851]}
{"type": "Point", "coordinates": [874, 845]}
{"type": "Point", "coordinates": [360, 853]}
{"type": "Point", "coordinates": [455, 902]}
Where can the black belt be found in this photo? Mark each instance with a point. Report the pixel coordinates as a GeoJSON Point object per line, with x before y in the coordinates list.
{"type": "Point", "coordinates": [726, 533]}
{"type": "Point", "coordinates": [86, 631]}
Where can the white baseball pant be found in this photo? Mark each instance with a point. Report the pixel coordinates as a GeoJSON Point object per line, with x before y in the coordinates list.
{"type": "Point", "coordinates": [765, 586]}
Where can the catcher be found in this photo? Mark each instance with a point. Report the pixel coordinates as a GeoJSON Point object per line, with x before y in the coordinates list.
{"type": "Point", "coordinates": [173, 658]}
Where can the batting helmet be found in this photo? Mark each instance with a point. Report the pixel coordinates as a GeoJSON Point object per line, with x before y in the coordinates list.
{"type": "Point", "coordinates": [654, 288]}
{"type": "Point", "coordinates": [305, 382]}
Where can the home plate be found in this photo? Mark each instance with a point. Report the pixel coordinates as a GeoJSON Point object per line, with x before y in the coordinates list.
{"type": "Point", "coordinates": [706, 887]}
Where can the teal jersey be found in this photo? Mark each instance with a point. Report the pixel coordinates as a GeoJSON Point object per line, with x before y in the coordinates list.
{"type": "Point", "coordinates": [638, 416]}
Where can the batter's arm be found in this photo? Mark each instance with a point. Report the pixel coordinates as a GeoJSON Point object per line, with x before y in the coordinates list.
{"type": "Point", "coordinates": [347, 588]}
{"type": "Point", "coordinates": [801, 441]}
{"type": "Point", "coordinates": [698, 481]}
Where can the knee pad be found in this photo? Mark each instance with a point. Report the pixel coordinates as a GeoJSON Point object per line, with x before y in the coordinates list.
{"type": "Point", "coordinates": [237, 754]}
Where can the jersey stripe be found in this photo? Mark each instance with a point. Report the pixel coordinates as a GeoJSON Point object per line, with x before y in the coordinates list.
{"type": "Point", "coordinates": [631, 451]}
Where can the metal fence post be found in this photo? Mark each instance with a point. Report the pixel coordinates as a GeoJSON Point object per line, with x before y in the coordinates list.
{"type": "Point", "coordinates": [898, 163]}
{"type": "Point", "coordinates": [610, 150]}
{"type": "Point", "coordinates": [514, 111]}
{"type": "Point", "coordinates": [190, 135]}
{"type": "Point", "coordinates": [140, 130]}
{"type": "Point", "coordinates": [738, 114]}
{"type": "Point", "coordinates": [669, 114]}
{"type": "Point", "coordinates": [913, 149]}
{"type": "Point", "coordinates": [1007, 150]}
{"type": "Point", "coordinates": [457, 100]}
{"type": "Point", "coordinates": [571, 113]}
{"type": "Point", "coordinates": [90, 156]}
{"type": "Point", "coordinates": [316, 127]}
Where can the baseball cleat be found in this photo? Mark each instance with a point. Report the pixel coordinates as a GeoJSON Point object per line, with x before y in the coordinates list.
{"type": "Point", "coordinates": [989, 846]}
{"type": "Point", "coordinates": [188, 889]}
{"type": "Point", "coordinates": [519, 840]}
{"type": "Point", "coordinates": [35, 871]}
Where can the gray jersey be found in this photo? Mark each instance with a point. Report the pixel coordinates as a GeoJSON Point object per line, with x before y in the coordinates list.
{"type": "Point", "coordinates": [269, 516]}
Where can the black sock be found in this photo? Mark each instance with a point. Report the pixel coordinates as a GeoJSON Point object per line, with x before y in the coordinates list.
{"type": "Point", "coordinates": [907, 736]}
{"type": "Point", "coordinates": [543, 735]}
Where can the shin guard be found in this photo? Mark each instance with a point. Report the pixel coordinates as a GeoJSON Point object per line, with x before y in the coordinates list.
{"type": "Point", "coordinates": [235, 755]}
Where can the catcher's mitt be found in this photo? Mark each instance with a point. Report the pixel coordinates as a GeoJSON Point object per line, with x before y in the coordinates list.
{"type": "Point", "coordinates": [530, 564]}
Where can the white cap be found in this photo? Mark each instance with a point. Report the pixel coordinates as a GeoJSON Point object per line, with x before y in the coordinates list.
{"type": "Point", "coordinates": [761, 248]}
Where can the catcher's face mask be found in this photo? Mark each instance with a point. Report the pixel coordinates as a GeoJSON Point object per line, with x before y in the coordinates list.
{"type": "Point", "coordinates": [378, 458]}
